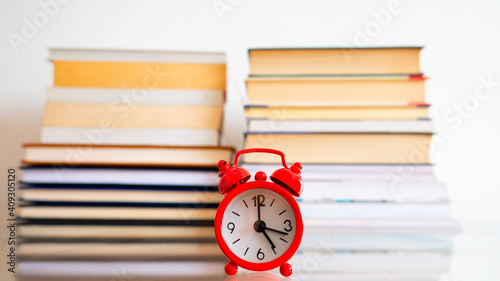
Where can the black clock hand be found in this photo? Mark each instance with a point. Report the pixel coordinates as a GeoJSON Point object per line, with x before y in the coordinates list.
{"type": "Point", "coordinates": [269, 239]}
{"type": "Point", "coordinates": [280, 232]}
{"type": "Point", "coordinates": [258, 209]}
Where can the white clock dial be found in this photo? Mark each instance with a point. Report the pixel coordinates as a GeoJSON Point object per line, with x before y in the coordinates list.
{"type": "Point", "coordinates": [253, 239]}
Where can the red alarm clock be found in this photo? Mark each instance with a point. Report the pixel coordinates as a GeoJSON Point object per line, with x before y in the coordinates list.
{"type": "Point", "coordinates": [258, 224]}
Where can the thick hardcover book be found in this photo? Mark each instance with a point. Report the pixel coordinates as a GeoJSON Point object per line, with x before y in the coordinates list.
{"type": "Point", "coordinates": [336, 90]}
{"type": "Point", "coordinates": [342, 148]}
{"type": "Point", "coordinates": [324, 61]}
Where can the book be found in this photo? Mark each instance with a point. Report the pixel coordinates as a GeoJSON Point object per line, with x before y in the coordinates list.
{"type": "Point", "coordinates": [370, 242]}
{"type": "Point", "coordinates": [336, 112]}
{"type": "Point", "coordinates": [333, 90]}
{"type": "Point", "coordinates": [274, 276]}
{"type": "Point", "coordinates": [374, 191]}
{"type": "Point", "coordinates": [119, 196]}
{"type": "Point", "coordinates": [120, 251]}
{"type": "Point", "coordinates": [330, 262]}
{"type": "Point", "coordinates": [376, 210]}
{"type": "Point", "coordinates": [130, 136]}
{"type": "Point", "coordinates": [138, 69]}
{"type": "Point", "coordinates": [336, 172]}
{"type": "Point", "coordinates": [76, 54]}
{"type": "Point", "coordinates": [340, 126]}
{"type": "Point", "coordinates": [116, 213]}
{"type": "Point", "coordinates": [122, 270]}
{"type": "Point", "coordinates": [136, 97]}
{"type": "Point", "coordinates": [124, 176]}
{"type": "Point", "coordinates": [383, 226]}
{"type": "Point", "coordinates": [115, 232]}
{"type": "Point", "coordinates": [328, 61]}
{"type": "Point", "coordinates": [387, 261]}
{"type": "Point", "coordinates": [109, 116]}
{"type": "Point", "coordinates": [342, 148]}
{"type": "Point", "coordinates": [124, 155]}
{"type": "Point", "coordinates": [330, 210]}
{"type": "Point", "coordinates": [324, 228]}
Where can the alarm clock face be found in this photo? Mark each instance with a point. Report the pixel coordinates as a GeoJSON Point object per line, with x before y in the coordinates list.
{"type": "Point", "coordinates": [258, 225]}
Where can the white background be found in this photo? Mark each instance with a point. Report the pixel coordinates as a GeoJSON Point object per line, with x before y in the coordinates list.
{"type": "Point", "coordinates": [461, 39]}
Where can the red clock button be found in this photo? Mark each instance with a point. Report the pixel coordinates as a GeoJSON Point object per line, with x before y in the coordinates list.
{"type": "Point", "coordinates": [286, 269]}
{"type": "Point", "coordinates": [260, 176]}
{"type": "Point", "coordinates": [231, 268]}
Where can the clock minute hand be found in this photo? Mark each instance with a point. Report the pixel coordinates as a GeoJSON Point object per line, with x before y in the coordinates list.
{"type": "Point", "coordinates": [269, 239]}
{"type": "Point", "coordinates": [280, 232]}
{"type": "Point", "coordinates": [258, 210]}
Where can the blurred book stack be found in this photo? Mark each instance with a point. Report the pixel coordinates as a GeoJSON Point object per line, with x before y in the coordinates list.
{"type": "Point", "coordinates": [358, 122]}
{"type": "Point", "coordinates": [126, 168]}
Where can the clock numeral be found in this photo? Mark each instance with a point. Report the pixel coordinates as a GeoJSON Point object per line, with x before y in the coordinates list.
{"type": "Point", "coordinates": [260, 255]}
{"type": "Point", "coordinates": [246, 251]}
{"type": "Point", "coordinates": [259, 199]}
{"type": "Point", "coordinates": [289, 225]}
{"type": "Point", "coordinates": [230, 226]}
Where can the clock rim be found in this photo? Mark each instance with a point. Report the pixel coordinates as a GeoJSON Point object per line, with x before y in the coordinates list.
{"type": "Point", "coordinates": [287, 255]}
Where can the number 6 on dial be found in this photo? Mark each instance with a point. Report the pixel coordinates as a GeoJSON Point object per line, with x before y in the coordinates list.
{"type": "Point", "coordinates": [258, 224]}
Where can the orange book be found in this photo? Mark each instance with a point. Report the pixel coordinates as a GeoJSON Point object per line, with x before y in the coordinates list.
{"type": "Point", "coordinates": [331, 61]}
{"type": "Point", "coordinates": [139, 69]}
{"type": "Point", "coordinates": [336, 90]}
{"type": "Point", "coordinates": [342, 148]}
{"type": "Point", "coordinates": [62, 114]}
{"type": "Point", "coordinates": [139, 75]}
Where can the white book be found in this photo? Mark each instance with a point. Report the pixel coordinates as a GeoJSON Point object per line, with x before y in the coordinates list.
{"type": "Point", "coordinates": [371, 276]}
{"type": "Point", "coordinates": [116, 232]}
{"type": "Point", "coordinates": [370, 242]}
{"type": "Point", "coordinates": [121, 270]}
{"type": "Point", "coordinates": [340, 126]}
{"type": "Point", "coordinates": [317, 191]}
{"type": "Point", "coordinates": [130, 136]}
{"type": "Point", "coordinates": [336, 261]}
{"type": "Point", "coordinates": [119, 196]}
{"type": "Point", "coordinates": [383, 226]}
{"type": "Point", "coordinates": [68, 175]}
{"type": "Point", "coordinates": [389, 173]}
{"type": "Point", "coordinates": [120, 251]}
{"type": "Point", "coordinates": [306, 266]}
{"type": "Point", "coordinates": [68, 54]}
{"type": "Point", "coordinates": [375, 210]}
{"type": "Point", "coordinates": [134, 97]}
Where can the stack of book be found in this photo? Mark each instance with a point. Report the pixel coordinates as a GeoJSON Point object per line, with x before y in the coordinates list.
{"type": "Point", "coordinates": [126, 168]}
{"type": "Point", "coordinates": [358, 122]}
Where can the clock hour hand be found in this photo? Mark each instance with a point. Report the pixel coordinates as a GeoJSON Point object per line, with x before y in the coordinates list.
{"type": "Point", "coordinates": [280, 232]}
